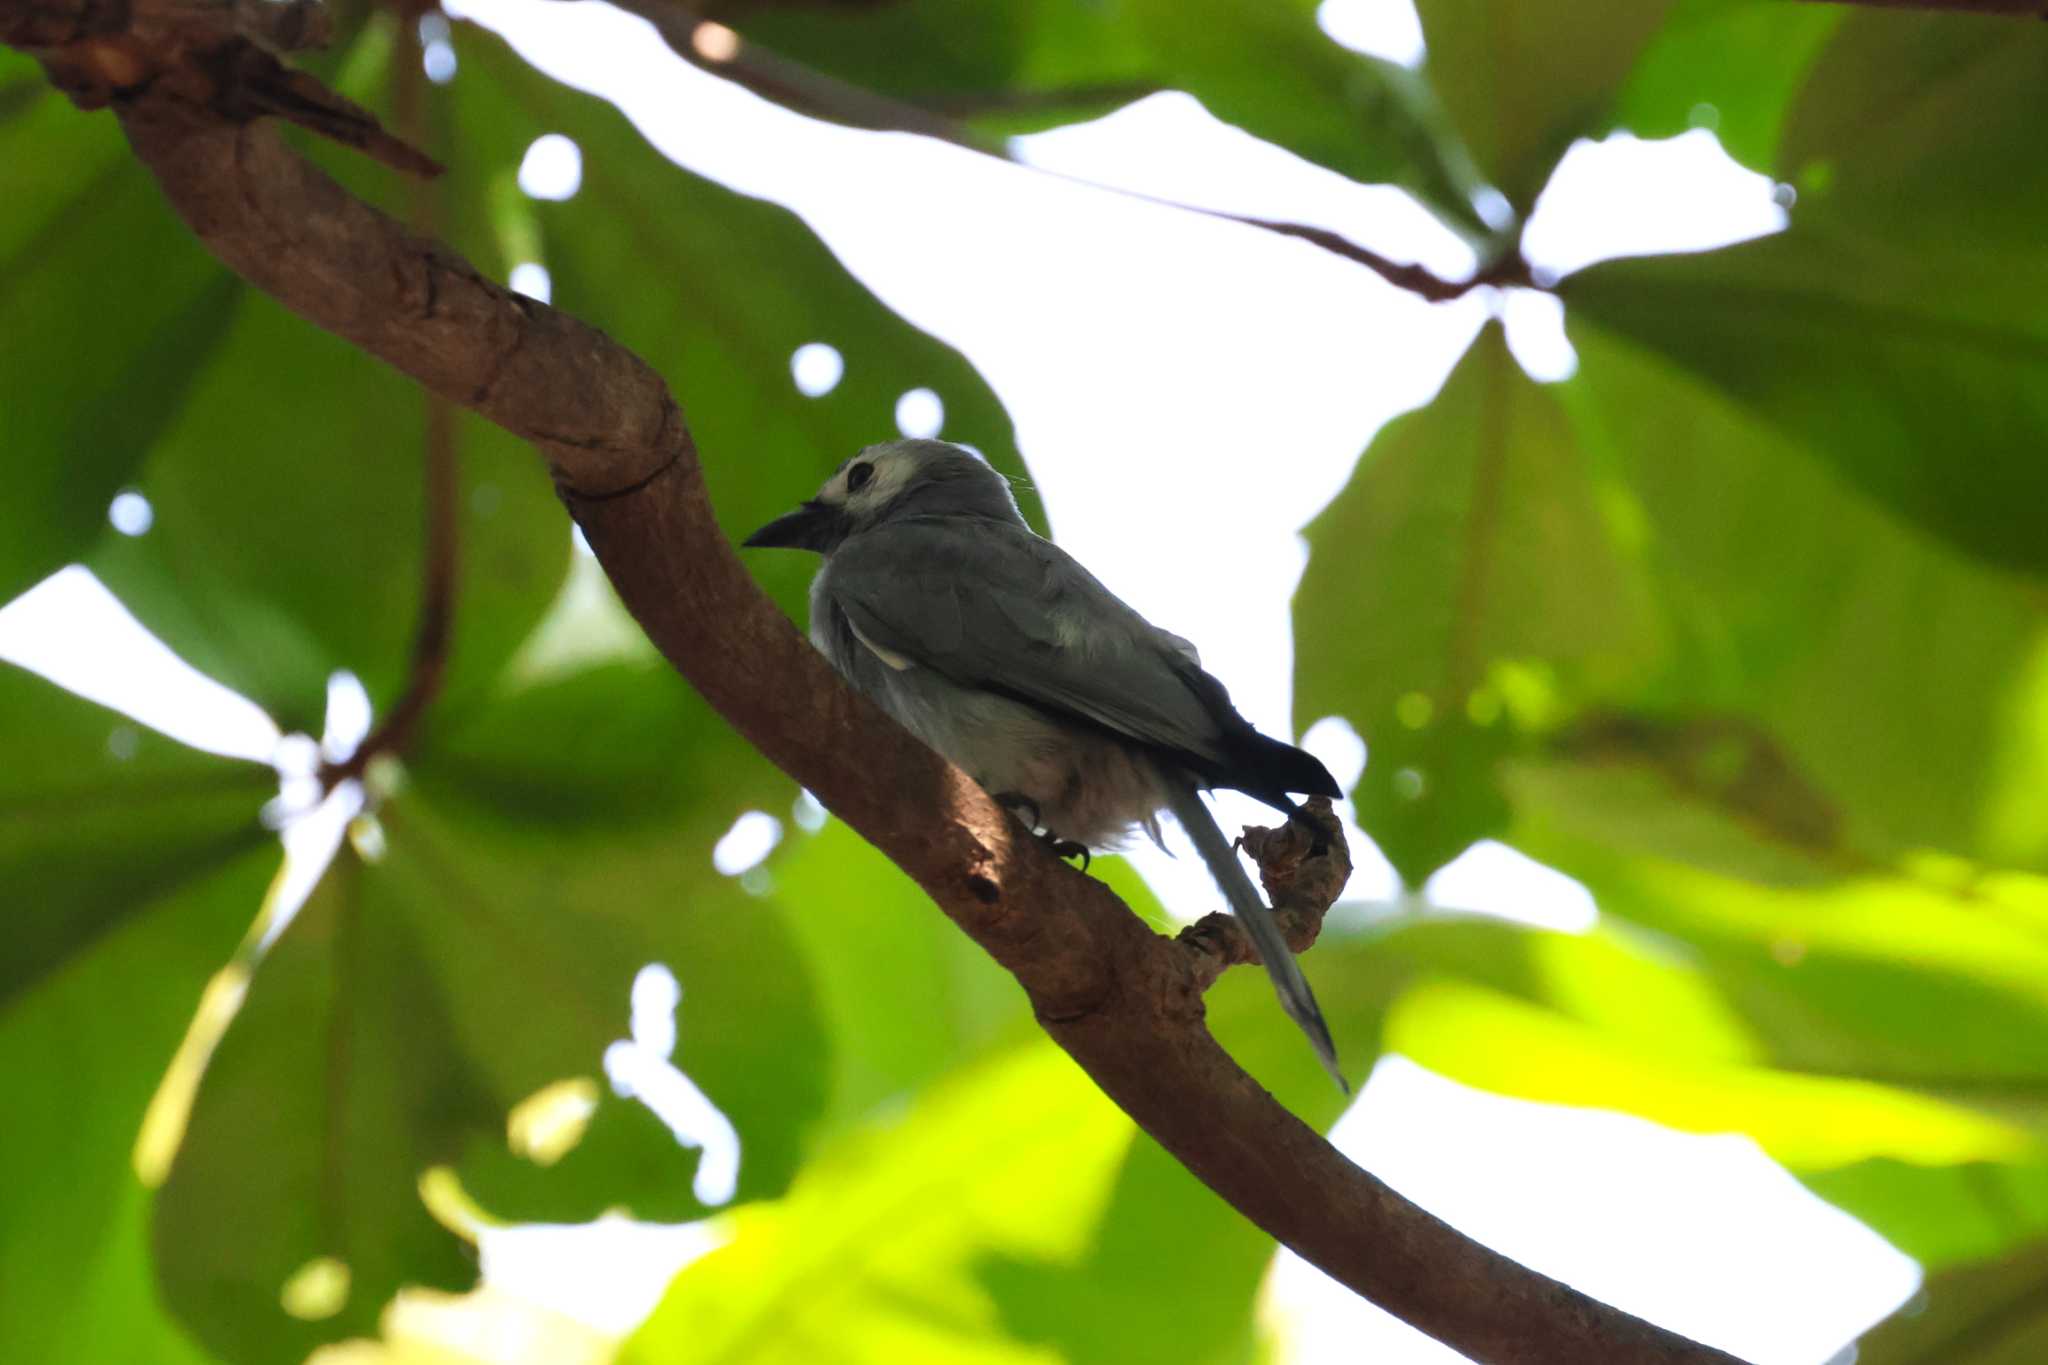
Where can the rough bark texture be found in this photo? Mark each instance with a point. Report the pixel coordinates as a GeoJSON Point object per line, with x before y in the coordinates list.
{"type": "Point", "coordinates": [1123, 1001]}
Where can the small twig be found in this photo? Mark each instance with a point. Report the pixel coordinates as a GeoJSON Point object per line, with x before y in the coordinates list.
{"type": "Point", "coordinates": [443, 487]}
{"type": "Point", "coordinates": [218, 54]}
{"type": "Point", "coordinates": [1303, 865]}
{"type": "Point", "coordinates": [968, 103]}
{"type": "Point", "coordinates": [715, 48]}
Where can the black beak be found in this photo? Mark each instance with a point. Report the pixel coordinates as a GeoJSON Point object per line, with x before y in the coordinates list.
{"type": "Point", "coordinates": [813, 526]}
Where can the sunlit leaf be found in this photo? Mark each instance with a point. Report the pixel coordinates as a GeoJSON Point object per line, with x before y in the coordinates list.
{"type": "Point", "coordinates": [1989, 1314]}
{"type": "Point", "coordinates": [487, 954]}
{"type": "Point", "coordinates": [1914, 982]}
{"type": "Point", "coordinates": [881, 1250]}
{"type": "Point", "coordinates": [1943, 1216]}
{"type": "Point", "coordinates": [131, 867]}
{"type": "Point", "coordinates": [1490, 1040]}
{"type": "Point", "coordinates": [906, 996]}
{"type": "Point", "coordinates": [1472, 538]}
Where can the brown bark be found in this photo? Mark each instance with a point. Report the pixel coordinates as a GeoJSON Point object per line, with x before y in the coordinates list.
{"type": "Point", "coordinates": [1123, 1001]}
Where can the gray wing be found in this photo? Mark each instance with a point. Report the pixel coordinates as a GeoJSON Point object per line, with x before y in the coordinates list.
{"type": "Point", "coordinates": [995, 607]}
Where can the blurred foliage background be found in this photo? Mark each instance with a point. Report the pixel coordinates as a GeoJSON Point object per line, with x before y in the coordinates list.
{"type": "Point", "coordinates": [1743, 625]}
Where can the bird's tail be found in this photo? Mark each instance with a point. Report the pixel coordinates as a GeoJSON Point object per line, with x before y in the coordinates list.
{"type": "Point", "coordinates": [1288, 982]}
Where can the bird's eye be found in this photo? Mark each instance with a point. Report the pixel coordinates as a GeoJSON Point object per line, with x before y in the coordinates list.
{"type": "Point", "coordinates": [858, 476]}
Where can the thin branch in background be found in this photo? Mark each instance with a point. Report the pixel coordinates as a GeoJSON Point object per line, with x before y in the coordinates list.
{"type": "Point", "coordinates": [969, 103]}
{"type": "Point", "coordinates": [441, 523]}
{"type": "Point", "coordinates": [713, 47]}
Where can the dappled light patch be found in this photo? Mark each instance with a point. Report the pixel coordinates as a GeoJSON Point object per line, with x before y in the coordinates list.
{"type": "Point", "coordinates": [641, 1069]}
{"type": "Point", "coordinates": [1534, 321]}
{"type": "Point", "coordinates": [318, 1289]}
{"type": "Point", "coordinates": [552, 168]}
{"type": "Point", "coordinates": [130, 513]}
{"type": "Point", "coordinates": [531, 278]}
{"type": "Point", "coordinates": [752, 838]}
{"type": "Point", "coordinates": [547, 1124]}
{"type": "Point", "coordinates": [816, 368]}
{"type": "Point", "coordinates": [920, 413]}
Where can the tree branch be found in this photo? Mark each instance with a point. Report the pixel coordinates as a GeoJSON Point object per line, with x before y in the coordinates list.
{"type": "Point", "coordinates": [1124, 1002]}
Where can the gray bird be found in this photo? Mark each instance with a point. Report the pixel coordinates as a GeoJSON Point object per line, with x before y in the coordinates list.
{"type": "Point", "coordinates": [997, 649]}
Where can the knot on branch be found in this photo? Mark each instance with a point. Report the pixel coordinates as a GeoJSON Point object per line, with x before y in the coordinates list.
{"type": "Point", "coordinates": [1303, 864]}
{"type": "Point", "coordinates": [217, 55]}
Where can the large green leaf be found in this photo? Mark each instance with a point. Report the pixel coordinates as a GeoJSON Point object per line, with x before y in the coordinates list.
{"type": "Point", "coordinates": [107, 311]}
{"type": "Point", "coordinates": [1845, 978]}
{"type": "Point", "coordinates": [1522, 79]}
{"type": "Point", "coordinates": [1899, 329]}
{"type": "Point", "coordinates": [1492, 1040]}
{"type": "Point", "coordinates": [878, 1252]}
{"type": "Point", "coordinates": [1471, 538]}
{"type": "Point", "coordinates": [289, 532]}
{"type": "Point", "coordinates": [1263, 65]}
{"type": "Point", "coordinates": [1856, 655]}
{"type": "Point", "coordinates": [906, 996]}
{"type": "Point", "coordinates": [1761, 1002]}
{"type": "Point", "coordinates": [484, 955]}
{"type": "Point", "coordinates": [630, 252]}
{"type": "Point", "coordinates": [1994, 1313]}
{"type": "Point", "coordinates": [132, 866]}
{"type": "Point", "coordinates": [1729, 65]}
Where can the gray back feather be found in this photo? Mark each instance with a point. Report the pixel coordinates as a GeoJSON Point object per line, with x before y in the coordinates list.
{"type": "Point", "coordinates": [992, 605]}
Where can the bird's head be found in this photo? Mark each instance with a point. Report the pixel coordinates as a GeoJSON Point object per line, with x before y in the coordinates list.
{"type": "Point", "coordinates": [889, 482]}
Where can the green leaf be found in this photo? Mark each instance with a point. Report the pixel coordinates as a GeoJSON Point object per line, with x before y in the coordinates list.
{"type": "Point", "coordinates": [628, 253]}
{"type": "Point", "coordinates": [1471, 539]}
{"type": "Point", "coordinates": [907, 997]}
{"type": "Point", "coordinates": [81, 783]}
{"type": "Point", "coordinates": [1943, 1216]}
{"type": "Point", "coordinates": [625, 747]}
{"type": "Point", "coordinates": [108, 311]}
{"type": "Point", "coordinates": [1899, 329]}
{"type": "Point", "coordinates": [289, 532]}
{"type": "Point", "coordinates": [1843, 978]}
{"type": "Point", "coordinates": [1491, 1040]}
{"type": "Point", "coordinates": [483, 957]}
{"type": "Point", "coordinates": [883, 1248]}
{"type": "Point", "coordinates": [1989, 1314]}
{"type": "Point", "coordinates": [132, 867]}
{"type": "Point", "coordinates": [1850, 655]}
{"type": "Point", "coordinates": [1522, 80]}
{"type": "Point", "coordinates": [1730, 65]}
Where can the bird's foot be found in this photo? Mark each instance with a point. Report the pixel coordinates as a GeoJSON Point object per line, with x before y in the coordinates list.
{"type": "Point", "coordinates": [1319, 839]}
{"type": "Point", "coordinates": [1017, 803]}
{"type": "Point", "coordinates": [1067, 848]}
